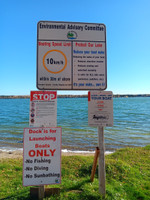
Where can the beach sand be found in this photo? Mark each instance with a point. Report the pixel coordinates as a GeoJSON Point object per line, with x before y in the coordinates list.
{"type": "Point", "coordinates": [11, 154]}
{"type": "Point", "coordinates": [19, 154]}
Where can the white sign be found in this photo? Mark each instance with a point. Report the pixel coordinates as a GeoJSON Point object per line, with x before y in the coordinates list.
{"type": "Point", "coordinates": [43, 109]}
{"type": "Point", "coordinates": [100, 108]}
{"type": "Point", "coordinates": [42, 156]}
{"type": "Point", "coordinates": [71, 56]}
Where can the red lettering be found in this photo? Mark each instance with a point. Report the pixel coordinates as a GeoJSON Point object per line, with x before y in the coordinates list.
{"type": "Point", "coordinates": [41, 152]}
{"type": "Point", "coordinates": [43, 96]}
{"type": "Point", "coordinates": [42, 145]}
{"type": "Point", "coordinates": [98, 45]}
{"type": "Point", "coordinates": [57, 44]}
{"type": "Point", "coordinates": [45, 153]}
{"type": "Point", "coordinates": [35, 131]}
{"type": "Point", "coordinates": [31, 153]}
{"type": "Point", "coordinates": [52, 131]}
{"type": "Point", "coordinates": [67, 44]}
{"type": "Point", "coordinates": [30, 131]}
{"type": "Point", "coordinates": [52, 152]}
{"type": "Point", "coordinates": [90, 45]}
{"type": "Point", "coordinates": [80, 44]}
{"type": "Point", "coordinates": [44, 44]}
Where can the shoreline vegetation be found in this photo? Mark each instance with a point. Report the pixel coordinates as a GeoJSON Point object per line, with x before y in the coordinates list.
{"type": "Point", "coordinates": [127, 177]}
{"type": "Point", "coordinates": [73, 96]}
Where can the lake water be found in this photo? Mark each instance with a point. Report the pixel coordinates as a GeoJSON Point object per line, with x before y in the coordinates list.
{"type": "Point", "coordinates": [131, 123]}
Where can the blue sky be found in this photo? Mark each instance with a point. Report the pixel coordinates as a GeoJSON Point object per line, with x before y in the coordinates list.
{"type": "Point", "coordinates": [128, 44]}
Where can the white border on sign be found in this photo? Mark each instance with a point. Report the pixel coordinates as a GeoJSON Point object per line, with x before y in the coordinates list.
{"type": "Point", "coordinates": [100, 108]}
{"type": "Point", "coordinates": [49, 85]}
{"type": "Point", "coordinates": [60, 155]}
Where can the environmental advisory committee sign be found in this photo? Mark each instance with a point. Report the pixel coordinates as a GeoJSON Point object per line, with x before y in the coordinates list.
{"type": "Point", "coordinates": [71, 56]}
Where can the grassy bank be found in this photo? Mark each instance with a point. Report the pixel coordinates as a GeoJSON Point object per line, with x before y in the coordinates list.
{"type": "Point", "coordinates": [127, 177]}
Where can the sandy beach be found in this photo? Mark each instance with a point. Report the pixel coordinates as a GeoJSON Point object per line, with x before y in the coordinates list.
{"type": "Point", "coordinates": [11, 154]}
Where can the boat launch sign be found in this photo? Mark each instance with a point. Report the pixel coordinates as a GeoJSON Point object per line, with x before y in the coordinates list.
{"type": "Point", "coordinates": [100, 108]}
{"type": "Point", "coordinates": [71, 56]}
{"type": "Point", "coordinates": [42, 156]}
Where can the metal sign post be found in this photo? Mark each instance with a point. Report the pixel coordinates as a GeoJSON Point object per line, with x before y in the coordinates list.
{"type": "Point", "coordinates": [101, 167]}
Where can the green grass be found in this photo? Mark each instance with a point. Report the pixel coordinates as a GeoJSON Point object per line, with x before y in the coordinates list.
{"type": "Point", "coordinates": [127, 177]}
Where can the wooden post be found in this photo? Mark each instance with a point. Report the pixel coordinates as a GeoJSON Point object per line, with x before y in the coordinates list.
{"type": "Point", "coordinates": [41, 191]}
{"type": "Point", "coordinates": [101, 169]}
{"type": "Point", "coordinates": [94, 163]}
{"type": "Point", "coordinates": [34, 192]}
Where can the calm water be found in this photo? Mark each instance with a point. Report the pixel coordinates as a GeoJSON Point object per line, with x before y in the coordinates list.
{"type": "Point", "coordinates": [131, 123]}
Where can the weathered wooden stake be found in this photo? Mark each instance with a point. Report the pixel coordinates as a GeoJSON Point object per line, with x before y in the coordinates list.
{"type": "Point", "coordinates": [94, 163]}
{"type": "Point", "coordinates": [41, 192]}
{"type": "Point", "coordinates": [34, 192]}
{"type": "Point", "coordinates": [101, 169]}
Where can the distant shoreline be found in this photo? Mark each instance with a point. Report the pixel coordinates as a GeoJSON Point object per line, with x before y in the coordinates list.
{"type": "Point", "coordinates": [72, 96]}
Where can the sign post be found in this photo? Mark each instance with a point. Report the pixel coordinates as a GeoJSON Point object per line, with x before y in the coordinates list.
{"type": "Point", "coordinates": [100, 114]}
{"type": "Point", "coordinates": [41, 192]}
{"type": "Point", "coordinates": [101, 169]}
